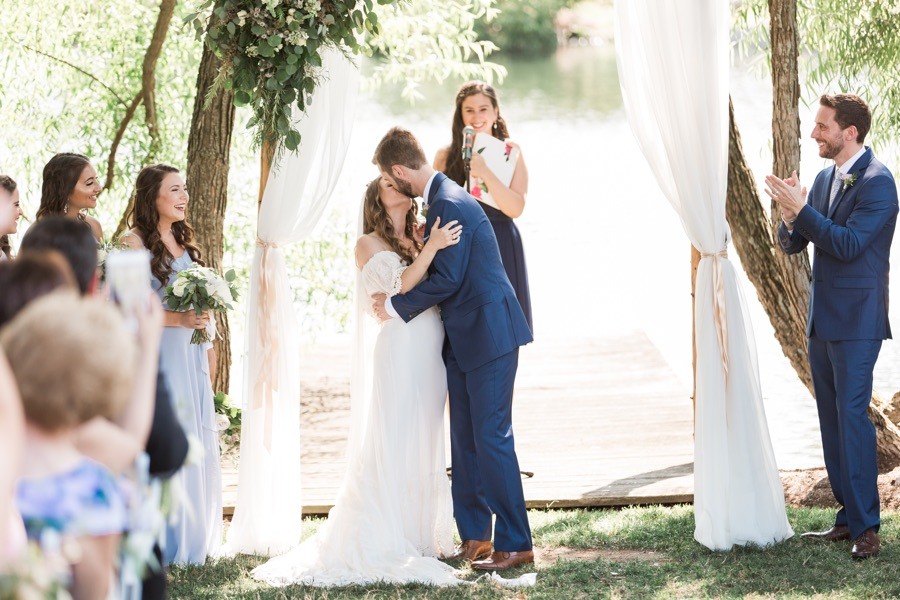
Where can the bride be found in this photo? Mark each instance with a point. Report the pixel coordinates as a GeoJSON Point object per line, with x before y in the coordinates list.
{"type": "Point", "coordinates": [393, 514]}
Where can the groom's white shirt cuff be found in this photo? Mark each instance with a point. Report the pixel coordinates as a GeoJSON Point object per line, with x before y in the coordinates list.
{"type": "Point", "coordinates": [387, 301]}
{"type": "Point", "coordinates": [390, 309]}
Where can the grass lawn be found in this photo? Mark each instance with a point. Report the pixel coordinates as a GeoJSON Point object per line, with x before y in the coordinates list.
{"type": "Point", "coordinates": [630, 553]}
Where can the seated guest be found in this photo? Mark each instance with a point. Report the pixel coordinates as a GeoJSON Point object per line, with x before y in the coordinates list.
{"type": "Point", "coordinates": [63, 494]}
{"type": "Point", "coordinates": [10, 212]}
{"type": "Point", "coordinates": [113, 446]}
{"type": "Point", "coordinates": [29, 277]}
{"type": "Point", "coordinates": [75, 242]}
{"type": "Point", "coordinates": [12, 432]}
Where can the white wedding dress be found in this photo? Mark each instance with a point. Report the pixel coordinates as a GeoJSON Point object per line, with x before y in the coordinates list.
{"type": "Point", "coordinates": [393, 513]}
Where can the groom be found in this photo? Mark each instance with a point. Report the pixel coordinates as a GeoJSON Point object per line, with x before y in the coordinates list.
{"type": "Point", "coordinates": [850, 217]}
{"type": "Point", "coordinates": [485, 327]}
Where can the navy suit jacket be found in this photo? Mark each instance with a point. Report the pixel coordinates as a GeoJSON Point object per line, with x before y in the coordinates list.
{"type": "Point", "coordinates": [849, 292]}
{"type": "Point", "coordinates": [481, 314]}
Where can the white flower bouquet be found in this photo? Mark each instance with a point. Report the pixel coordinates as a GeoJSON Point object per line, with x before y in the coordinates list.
{"type": "Point", "coordinates": [201, 289]}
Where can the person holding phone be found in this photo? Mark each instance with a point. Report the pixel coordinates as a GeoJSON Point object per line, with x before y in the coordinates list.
{"type": "Point", "coordinates": [157, 223]}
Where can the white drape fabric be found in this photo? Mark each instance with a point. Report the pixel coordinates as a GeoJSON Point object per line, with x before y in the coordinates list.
{"type": "Point", "coordinates": [673, 62]}
{"type": "Point", "coordinates": [268, 511]}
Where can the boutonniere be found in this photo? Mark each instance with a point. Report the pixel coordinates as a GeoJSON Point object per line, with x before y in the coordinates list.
{"type": "Point", "coordinates": [848, 180]}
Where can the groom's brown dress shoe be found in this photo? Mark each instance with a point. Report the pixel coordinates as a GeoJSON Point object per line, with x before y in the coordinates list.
{"type": "Point", "coordinates": [504, 560]}
{"type": "Point", "coordinates": [472, 550]}
{"type": "Point", "coordinates": [866, 546]}
{"type": "Point", "coordinates": [838, 533]}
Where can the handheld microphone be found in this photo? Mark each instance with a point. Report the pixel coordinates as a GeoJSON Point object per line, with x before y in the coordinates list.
{"type": "Point", "coordinates": [468, 142]}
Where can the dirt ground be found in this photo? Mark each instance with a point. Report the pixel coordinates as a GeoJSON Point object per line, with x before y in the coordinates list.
{"type": "Point", "coordinates": [810, 488]}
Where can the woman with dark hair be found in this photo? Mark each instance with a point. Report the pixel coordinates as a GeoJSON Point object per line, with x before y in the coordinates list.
{"type": "Point", "coordinates": [70, 188]}
{"type": "Point", "coordinates": [392, 518]}
{"type": "Point", "coordinates": [10, 212]}
{"type": "Point", "coordinates": [32, 275]}
{"type": "Point", "coordinates": [158, 224]}
{"type": "Point", "coordinates": [477, 107]}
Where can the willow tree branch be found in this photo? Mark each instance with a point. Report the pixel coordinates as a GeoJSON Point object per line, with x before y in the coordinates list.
{"type": "Point", "coordinates": [73, 66]}
{"type": "Point", "coordinates": [148, 79]}
{"type": "Point", "coordinates": [120, 133]}
{"type": "Point", "coordinates": [147, 95]}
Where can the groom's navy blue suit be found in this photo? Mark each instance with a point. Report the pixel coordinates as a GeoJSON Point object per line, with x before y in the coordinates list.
{"type": "Point", "coordinates": [848, 319]}
{"type": "Point", "coordinates": [485, 327]}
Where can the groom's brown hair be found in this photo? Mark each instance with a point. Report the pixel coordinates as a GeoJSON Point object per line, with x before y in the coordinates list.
{"type": "Point", "coordinates": [399, 147]}
{"type": "Point", "coordinates": [850, 109]}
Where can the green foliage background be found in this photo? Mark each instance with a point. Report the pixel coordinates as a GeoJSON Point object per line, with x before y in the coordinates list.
{"type": "Point", "coordinates": [524, 27]}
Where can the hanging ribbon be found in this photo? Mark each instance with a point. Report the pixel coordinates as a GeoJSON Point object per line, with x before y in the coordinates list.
{"type": "Point", "coordinates": [720, 318]}
{"type": "Point", "coordinates": [266, 385]}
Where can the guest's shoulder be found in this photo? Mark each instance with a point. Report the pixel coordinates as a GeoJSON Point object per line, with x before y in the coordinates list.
{"type": "Point", "coordinates": [95, 226]}
{"type": "Point", "coordinates": [132, 239]}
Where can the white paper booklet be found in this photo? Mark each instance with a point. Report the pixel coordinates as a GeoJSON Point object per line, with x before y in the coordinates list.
{"type": "Point", "coordinates": [501, 159]}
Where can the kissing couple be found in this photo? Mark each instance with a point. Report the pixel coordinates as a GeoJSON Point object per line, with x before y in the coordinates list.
{"type": "Point", "coordinates": [392, 519]}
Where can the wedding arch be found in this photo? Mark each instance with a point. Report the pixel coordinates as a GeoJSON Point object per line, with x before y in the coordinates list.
{"type": "Point", "coordinates": [673, 69]}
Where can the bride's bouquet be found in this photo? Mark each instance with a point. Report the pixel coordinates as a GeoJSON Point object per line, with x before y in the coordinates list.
{"type": "Point", "coordinates": [201, 289]}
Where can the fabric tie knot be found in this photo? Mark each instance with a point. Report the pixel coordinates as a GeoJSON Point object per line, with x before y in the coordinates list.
{"type": "Point", "coordinates": [263, 244]}
{"type": "Point", "coordinates": [720, 318]}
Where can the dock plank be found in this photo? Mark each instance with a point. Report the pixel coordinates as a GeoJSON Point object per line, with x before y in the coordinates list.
{"type": "Point", "coordinates": [599, 421]}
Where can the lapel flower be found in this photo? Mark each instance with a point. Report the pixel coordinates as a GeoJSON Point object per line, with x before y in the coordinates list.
{"type": "Point", "coordinates": [848, 180]}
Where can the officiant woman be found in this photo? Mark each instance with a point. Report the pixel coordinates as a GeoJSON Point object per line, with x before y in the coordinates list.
{"type": "Point", "coordinates": [477, 107]}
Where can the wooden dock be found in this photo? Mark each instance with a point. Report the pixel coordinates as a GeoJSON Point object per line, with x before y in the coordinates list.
{"type": "Point", "coordinates": [599, 421]}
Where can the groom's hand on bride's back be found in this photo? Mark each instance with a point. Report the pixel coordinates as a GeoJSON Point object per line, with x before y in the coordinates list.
{"type": "Point", "coordinates": [378, 307]}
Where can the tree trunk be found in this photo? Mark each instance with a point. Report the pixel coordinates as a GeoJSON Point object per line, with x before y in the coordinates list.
{"type": "Point", "coordinates": [782, 287]}
{"type": "Point", "coordinates": [209, 148]}
{"type": "Point", "coordinates": [794, 268]}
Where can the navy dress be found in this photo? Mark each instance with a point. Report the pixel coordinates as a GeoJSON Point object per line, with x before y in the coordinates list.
{"type": "Point", "coordinates": [513, 255]}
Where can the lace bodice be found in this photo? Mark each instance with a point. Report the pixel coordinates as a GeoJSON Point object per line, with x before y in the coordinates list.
{"type": "Point", "coordinates": [383, 272]}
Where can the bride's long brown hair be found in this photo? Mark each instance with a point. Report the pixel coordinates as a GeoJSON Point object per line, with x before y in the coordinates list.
{"type": "Point", "coordinates": [144, 219]}
{"type": "Point", "coordinates": [376, 220]}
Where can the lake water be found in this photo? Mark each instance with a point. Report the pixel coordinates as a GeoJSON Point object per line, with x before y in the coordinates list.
{"type": "Point", "coordinates": [606, 252]}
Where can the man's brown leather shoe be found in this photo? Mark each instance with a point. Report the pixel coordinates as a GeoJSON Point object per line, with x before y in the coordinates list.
{"type": "Point", "coordinates": [504, 560]}
{"type": "Point", "coordinates": [866, 545]}
{"type": "Point", "coordinates": [472, 550]}
{"type": "Point", "coordinates": [838, 533]}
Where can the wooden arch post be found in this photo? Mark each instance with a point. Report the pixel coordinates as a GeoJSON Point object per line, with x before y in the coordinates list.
{"type": "Point", "coordinates": [267, 154]}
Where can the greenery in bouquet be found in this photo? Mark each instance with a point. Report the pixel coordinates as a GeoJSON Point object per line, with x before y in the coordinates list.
{"type": "Point", "coordinates": [201, 289]}
{"type": "Point", "coordinates": [228, 421]}
{"type": "Point", "coordinates": [104, 249]}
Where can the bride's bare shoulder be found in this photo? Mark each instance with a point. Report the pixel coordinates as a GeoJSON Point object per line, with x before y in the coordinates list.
{"type": "Point", "coordinates": [368, 246]}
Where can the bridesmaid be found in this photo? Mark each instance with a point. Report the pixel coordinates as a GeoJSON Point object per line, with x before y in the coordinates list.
{"type": "Point", "coordinates": [477, 107]}
{"type": "Point", "coordinates": [10, 212]}
{"type": "Point", "coordinates": [70, 188]}
{"type": "Point", "coordinates": [158, 224]}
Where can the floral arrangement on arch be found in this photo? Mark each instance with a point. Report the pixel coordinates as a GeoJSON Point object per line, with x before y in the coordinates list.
{"type": "Point", "coordinates": [271, 51]}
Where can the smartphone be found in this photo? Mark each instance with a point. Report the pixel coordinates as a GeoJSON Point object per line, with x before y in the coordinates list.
{"type": "Point", "coordinates": [128, 279]}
